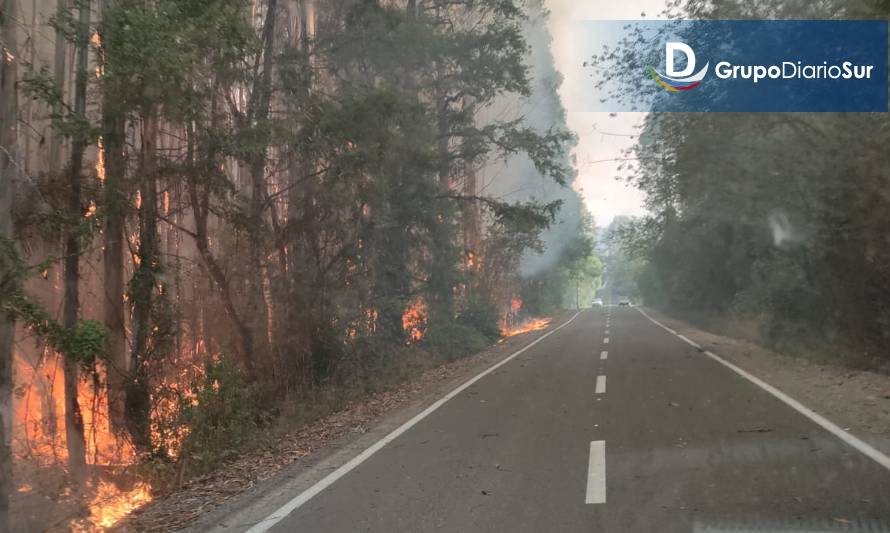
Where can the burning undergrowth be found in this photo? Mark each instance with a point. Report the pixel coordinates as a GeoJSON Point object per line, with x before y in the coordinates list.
{"type": "Point", "coordinates": [516, 322]}
{"type": "Point", "coordinates": [51, 495]}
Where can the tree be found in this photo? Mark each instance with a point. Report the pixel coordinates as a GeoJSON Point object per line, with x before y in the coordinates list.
{"type": "Point", "coordinates": [74, 429]}
{"type": "Point", "coordinates": [323, 178]}
{"type": "Point", "coordinates": [762, 217]}
{"type": "Point", "coordinates": [114, 202]}
{"type": "Point", "coordinates": [8, 118]}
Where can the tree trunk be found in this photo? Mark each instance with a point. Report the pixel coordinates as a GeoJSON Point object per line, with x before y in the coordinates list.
{"type": "Point", "coordinates": [442, 278]}
{"type": "Point", "coordinates": [113, 264]}
{"type": "Point", "coordinates": [142, 289]}
{"type": "Point", "coordinates": [115, 201]}
{"type": "Point", "coordinates": [200, 208]}
{"type": "Point", "coordinates": [294, 336]}
{"type": "Point", "coordinates": [74, 431]}
{"type": "Point", "coordinates": [8, 115]}
{"type": "Point", "coordinates": [59, 71]}
{"type": "Point", "coordinates": [259, 114]}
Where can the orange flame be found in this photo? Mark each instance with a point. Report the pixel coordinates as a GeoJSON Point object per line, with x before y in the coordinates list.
{"type": "Point", "coordinates": [39, 438]}
{"type": "Point", "coordinates": [100, 159]}
{"type": "Point", "coordinates": [110, 505]}
{"type": "Point", "coordinates": [414, 320]}
{"type": "Point", "coordinates": [39, 430]}
{"type": "Point", "coordinates": [536, 324]}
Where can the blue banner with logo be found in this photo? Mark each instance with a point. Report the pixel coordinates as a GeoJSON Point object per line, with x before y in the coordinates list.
{"type": "Point", "coordinates": [730, 65]}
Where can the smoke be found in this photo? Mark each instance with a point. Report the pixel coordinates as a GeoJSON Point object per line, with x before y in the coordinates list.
{"type": "Point", "coordinates": [517, 180]}
{"type": "Point", "coordinates": [783, 232]}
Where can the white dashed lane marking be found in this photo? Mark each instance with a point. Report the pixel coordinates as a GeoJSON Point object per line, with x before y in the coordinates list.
{"type": "Point", "coordinates": [596, 473]}
{"type": "Point", "coordinates": [601, 384]}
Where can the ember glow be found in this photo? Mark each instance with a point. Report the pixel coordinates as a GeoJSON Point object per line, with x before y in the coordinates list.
{"type": "Point", "coordinates": [39, 430]}
{"type": "Point", "coordinates": [110, 505]}
{"type": "Point", "coordinates": [414, 320]}
{"type": "Point", "coordinates": [535, 324]}
{"type": "Point", "coordinates": [39, 440]}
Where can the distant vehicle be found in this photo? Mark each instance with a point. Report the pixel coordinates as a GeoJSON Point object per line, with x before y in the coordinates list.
{"type": "Point", "coordinates": [597, 302]}
{"type": "Point", "coordinates": [624, 303]}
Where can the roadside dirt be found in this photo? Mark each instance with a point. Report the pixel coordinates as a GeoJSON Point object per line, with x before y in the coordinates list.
{"type": "Point", "coordinates": [182, 508]}
{"type": "Point", "coordinates": [856, 400]}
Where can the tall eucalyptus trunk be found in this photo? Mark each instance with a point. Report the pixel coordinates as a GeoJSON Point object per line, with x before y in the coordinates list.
{"type": "Point", "coordinates": [74, 429]}
{"type": "Point", "coordinates": [258, 115]}
{"type": "Point", "coordinates": [142, 288]}
{"type": "Point", "coordinates": [115, 205]}
{"type": "Point", "coordinates": [8, 116]}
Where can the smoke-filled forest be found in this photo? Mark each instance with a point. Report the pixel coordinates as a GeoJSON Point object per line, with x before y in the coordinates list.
{"type": "Point", "coordinates": [218, 214]}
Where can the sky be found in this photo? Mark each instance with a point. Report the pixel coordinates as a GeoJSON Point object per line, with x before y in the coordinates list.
{"type": "Point", "coordinates": [600, 136]}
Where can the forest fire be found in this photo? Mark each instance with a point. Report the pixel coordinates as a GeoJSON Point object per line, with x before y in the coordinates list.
{"type": "Point", "coordinates": [175, 290]}
{"type": "Point", "coordinates": [39, 440]}
{"type": "Point", "coordinates": [532, 325]}
{"type": "Point", "coordinates": [39, 422]}
{"type": "Point", "coordinates": [512, 324]}
{"type": "Point", "coordinates": [111, 505]}
{"type": "Point", "coordinates": [414, 320]}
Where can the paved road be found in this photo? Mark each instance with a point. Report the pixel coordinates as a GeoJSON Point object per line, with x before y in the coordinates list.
{"type": "Point", "coordinates": [651, 436]}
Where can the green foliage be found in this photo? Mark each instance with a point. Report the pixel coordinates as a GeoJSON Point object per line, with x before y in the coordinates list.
{"type": "Point", "coordinates": [572, 281]}
{"type": "Point", "coordinates": [83, 343]}
{"type": "Point", "coordinates": [455, 339]}
{"type": "Point", "coordinates": [219, 420]}
{"type": "Point", "coordinates": [483, 316]}
{"type": "Point", "coordinates": [65, 120]}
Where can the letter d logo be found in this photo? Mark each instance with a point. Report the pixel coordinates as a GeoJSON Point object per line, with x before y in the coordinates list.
{"type": "Point", "coordinates": [684, 80]}
{"type": "Point", "coordinates": [671, 49]}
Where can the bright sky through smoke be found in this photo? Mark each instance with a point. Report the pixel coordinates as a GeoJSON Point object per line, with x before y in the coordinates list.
{"type": "Point", "coordinates": [600, 137]}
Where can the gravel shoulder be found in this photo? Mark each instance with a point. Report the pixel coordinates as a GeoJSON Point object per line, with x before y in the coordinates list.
{"type": "Point", "coordinates": [858, 401]}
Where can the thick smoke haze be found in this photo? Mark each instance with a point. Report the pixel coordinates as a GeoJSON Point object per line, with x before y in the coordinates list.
{"type": "Point", "coordinates": [602, 138]}
{"type": "Point", "coordinates": [517, 179]}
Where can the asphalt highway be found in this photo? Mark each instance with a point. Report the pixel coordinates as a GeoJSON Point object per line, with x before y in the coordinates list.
{"type": "Point", "coordinates": [610, 424]}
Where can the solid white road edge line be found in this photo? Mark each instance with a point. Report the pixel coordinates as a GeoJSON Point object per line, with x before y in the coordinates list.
{"type": "Point", "coordinates": [601, 384]}
{"type": "Point", "coordinates": [689, 341]}
{"type": "Point", "coordinates": [826, 424]}
{"type": "Point", "coordinates": [291, 506]}
{"type": "Point", "coordinates": [604, 355]}
{"type": "Point", "coordinates": [596, 473]}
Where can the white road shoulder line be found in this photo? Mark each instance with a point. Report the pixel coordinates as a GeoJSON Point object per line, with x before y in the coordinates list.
{"type": "Point", "coordinates": [596, 473]}
{"type": "Point", "coordinates": [826, 424]}
{"type": "Point", "coordinates": [267, 523]}
{"type": "Point", "coordinates": [689, 341]}
{"type": "Point", "coordinates": [601, 384]}
{"type": "Point", "coordinates": [604, 355]}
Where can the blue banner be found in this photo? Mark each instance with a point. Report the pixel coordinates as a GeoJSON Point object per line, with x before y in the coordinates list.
{"type": "Point", "coordinates": [731, 65]}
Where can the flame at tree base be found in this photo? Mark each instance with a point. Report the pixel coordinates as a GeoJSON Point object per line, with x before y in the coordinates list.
{"type": "Point", "coordinates": [110, 505]}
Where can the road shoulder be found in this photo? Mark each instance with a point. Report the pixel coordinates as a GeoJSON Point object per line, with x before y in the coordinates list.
{"type": "Point", "coordinates": [858, 401]}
